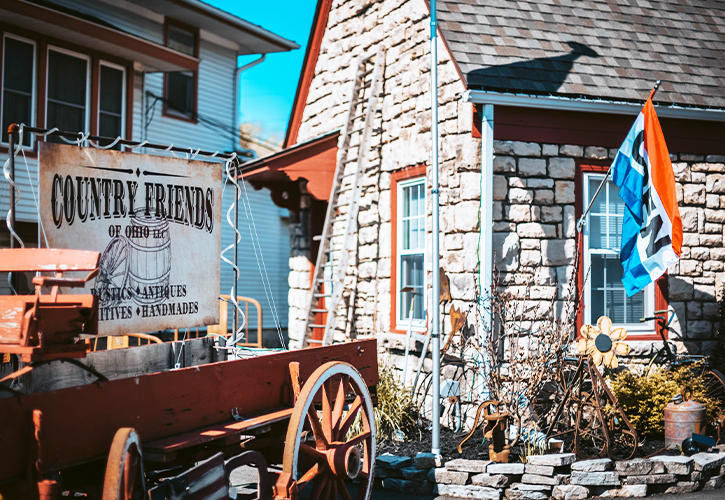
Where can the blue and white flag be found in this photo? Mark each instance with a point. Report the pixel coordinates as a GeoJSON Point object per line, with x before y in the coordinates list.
{"type": "Point", "coordinates": [652, 227]}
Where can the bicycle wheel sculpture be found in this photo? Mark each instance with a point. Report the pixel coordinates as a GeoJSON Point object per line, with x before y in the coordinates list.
{"type": "Point", "coordinates": [588, 409]}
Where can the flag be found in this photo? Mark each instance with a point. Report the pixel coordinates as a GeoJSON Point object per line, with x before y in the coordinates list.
{"type": "Point", "coordinates": [651, 227]}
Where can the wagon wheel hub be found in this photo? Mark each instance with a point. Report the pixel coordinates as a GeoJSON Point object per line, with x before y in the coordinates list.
{"type": "Point", "coordinates": [344, 460]}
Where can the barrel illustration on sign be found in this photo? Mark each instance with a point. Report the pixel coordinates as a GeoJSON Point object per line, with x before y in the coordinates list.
{"type": "Point", "coordinates": [141, 263]}
{"type": "Point", "coordinates": [155, 220]}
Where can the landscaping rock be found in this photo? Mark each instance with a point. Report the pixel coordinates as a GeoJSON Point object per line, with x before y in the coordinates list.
{"type": "Point", "coordinates": [596, 465]}
{"type": "Point", "coordinates": [610, 478]}
{"type": "Point", "coordinates": [528, 492]}
{"type": "Point", "coordinates": [414, 474]}
{"type": "Point", "coordinates": [570, 492]}
{"type": "Point", "coordinates": [637, 467]}
{"type": "Point", "coordinates": [553, 460]}
{"type": "Point", "coordinates": [636, 491]}
{"type": "Point", "coordinates": [682, 487]}
{"type": "Point", "coordinates": [402, 485]}
{"type": "Point", "coordinates": [427, 461]}
{"type": "Point", "coordinates": [513, 469]}
{"type": "Point", "coordinates": [541, 470]}
{"type": "Point", "coordinates": [474, 466]}
{"type": "Point", "coordinates": [444, 476]}
{"type": "Point", "coordinates": [651, 479]}
{"type": "Point", "coordinates": [388, 461]}
{"type": "Point", "coordinates": [470, 491]}
{"type": "Point", "coordinates": [708, 461]}
{"type": "Point", "coordinates": [490, 480]}
{"type": "Point", "coordinates": [675, 465]}
{"type": "Point", "coordinates": [713, 484]}
{"type": "Point", "coordinates": [547, 480]}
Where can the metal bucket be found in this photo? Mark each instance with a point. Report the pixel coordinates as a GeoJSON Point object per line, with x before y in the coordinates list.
{"type": "Point", "coordinates": [682, 419]}
{"type": "Point", "coordinates": [149, 258]}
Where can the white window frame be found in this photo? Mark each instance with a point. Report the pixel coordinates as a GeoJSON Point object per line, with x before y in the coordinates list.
{"type": "Point", "coordinates": [123, 95]}
{"type": "Point", "coordinates": [89, 71]}
{"type": "Point", "coordinates": [34, 95]}
{"type": "Point", "coordinates": [419, 325]}
{"type": "Point", "coordinates": [649, 299]}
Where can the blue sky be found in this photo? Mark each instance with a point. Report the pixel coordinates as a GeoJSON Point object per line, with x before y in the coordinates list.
{"type": "Point", "coordinates": [268, 89]}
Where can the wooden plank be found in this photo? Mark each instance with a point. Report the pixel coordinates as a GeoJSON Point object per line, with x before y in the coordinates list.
{"type": "Point", "coordinates": [114, 364]}
{"type": "Point", "coordinates": [47, 259]}
{"type": "Point", "coordinates": [215, 432]}
{"type": "Point", "coordinates": [79, 423]}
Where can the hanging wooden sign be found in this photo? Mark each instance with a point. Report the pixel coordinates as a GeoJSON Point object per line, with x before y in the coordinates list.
{"type": "Point", "coordinates": [157, 223]}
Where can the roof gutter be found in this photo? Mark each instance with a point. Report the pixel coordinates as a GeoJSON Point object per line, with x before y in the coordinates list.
{"type": "Point", "coordinates": [590, 106]}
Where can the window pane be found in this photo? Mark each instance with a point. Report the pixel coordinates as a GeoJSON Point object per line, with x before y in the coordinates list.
{"type": "Point", "coordinates": [597, 232]}
{"type": "Point", "coordinates": [181, 40]}
{"type": "Point", "coordinates": [110, 115]}
{"type": "Point", "coordinates": [600, 203]}
{"type": "Point", "coordinates": [411, 275]}
{"type": "Point", "coordinates": [608, 297]}
{"type": "Point", "coordinates": [67, 79]}
{"type": "Point", "coordinates": [180, 92]}
{"type": "Point", "coordinates": [17, 85]}
{"type": "Point", "coordinates": [111, 90]}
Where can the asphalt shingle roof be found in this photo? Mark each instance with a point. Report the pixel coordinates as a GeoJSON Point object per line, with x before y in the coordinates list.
{"type": "Point", "coordinates": [608, 49]}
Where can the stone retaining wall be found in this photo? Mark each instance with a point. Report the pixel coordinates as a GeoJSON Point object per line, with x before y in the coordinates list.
{"type": "Point", "coordinates": [557, 476]}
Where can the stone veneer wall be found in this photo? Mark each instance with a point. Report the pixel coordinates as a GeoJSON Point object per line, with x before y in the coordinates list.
{"type": "Point", "coordinates": [535, 227]}
{"type": "Point", "coordinates": [401, 139]}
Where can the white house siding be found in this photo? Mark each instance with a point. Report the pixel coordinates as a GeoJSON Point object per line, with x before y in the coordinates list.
{"type": "Point", "coordinates": [269, 226]}
{"type": "Point", "coordinates": [401, 27]}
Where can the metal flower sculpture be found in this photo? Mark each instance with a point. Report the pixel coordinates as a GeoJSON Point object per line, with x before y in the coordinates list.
{"type": "Point", "coordinates": [603, 343]}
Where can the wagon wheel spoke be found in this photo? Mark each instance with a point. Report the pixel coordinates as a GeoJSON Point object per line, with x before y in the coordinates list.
{"type": "Point", "coordinates": [327, 410]}
{"type": "Point", "coordinates": [349, 418]}
{"type": "Point", "coordinates": [311, 474]}
{"type": "Point", "coordinates": [318, 486]}
{"type": "Point", "coordinates": [343, 490]}
{"type": "Point", "coordinates": [359, 438]}
{"type": "Point", "coordinates": [339, 406]}
{"type": "Point", "coordinates": [313, 453]}
{"type": "Point", "coordinates": [320, 440]}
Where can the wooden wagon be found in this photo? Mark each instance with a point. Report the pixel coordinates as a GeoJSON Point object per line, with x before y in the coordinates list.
{"type": "Point", "coordinates": [303, 418]}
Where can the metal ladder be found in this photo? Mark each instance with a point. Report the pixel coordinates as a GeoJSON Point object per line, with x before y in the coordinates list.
{"type": "Point", "coordinates": [338, 231]}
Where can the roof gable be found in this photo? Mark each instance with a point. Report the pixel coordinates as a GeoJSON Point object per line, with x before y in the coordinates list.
{"type": "Point", "coordinates": [610, 49]}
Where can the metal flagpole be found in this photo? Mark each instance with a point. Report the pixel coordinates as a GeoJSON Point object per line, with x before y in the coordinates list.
{"type": "Point", "coordinates": [435, 320]}
{"type": "Point", "coordinates": [582, 219]}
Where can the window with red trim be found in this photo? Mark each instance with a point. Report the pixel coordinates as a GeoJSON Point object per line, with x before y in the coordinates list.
{"type": "Point", "coordinates": [180, 87]}
{"type": "Point", "coordinates": [601, 270]}
{"type": "Point", "coordinates": [408, 214]}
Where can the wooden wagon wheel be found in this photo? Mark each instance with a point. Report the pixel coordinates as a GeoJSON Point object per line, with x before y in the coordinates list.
{"type": "Point", "coordinates": [124, 470]}
{"type": "Point", "coordinates": [319, 451]}
{"type": "Point", "coordinates": [113, 270]}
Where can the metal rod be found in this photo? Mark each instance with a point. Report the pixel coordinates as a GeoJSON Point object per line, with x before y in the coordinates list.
{"type": "Point", "coordinates": [582, 219]}
{"type": "Point", "coordinates": [126, 142]}
{"type": "Point", "coordinates": [435, 253]}
{"type": "Point", "coordinates": [407, 336]}
{"type": "Point", "coordinates": [11, 153]}
{"type": "Point", "coordinates": [236, 267]}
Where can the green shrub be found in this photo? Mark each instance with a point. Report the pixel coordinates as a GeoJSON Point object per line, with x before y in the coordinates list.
{"type": "Point", "coordinates": [644, 397]}
{"type": "Point", "coordinates": [395, 409]}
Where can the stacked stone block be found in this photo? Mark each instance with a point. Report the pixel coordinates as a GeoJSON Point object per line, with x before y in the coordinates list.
{"type": "Point", "coordinates": [556, 476]}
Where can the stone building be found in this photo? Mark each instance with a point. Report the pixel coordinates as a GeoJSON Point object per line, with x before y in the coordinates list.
{"type": "Point", "coordinates": [535, 98]}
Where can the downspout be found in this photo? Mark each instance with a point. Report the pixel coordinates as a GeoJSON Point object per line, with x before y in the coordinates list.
{"type": "Point", "coordinates": [237, 101]}
{"type": "Point", "coordinates": [485, 242]}
{"type": "Point", "coordinates": [236, 147]}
